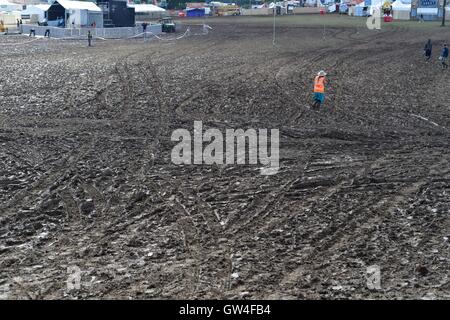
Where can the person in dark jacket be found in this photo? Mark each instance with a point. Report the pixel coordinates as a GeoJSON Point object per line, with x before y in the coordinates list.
{"type": "Point", "coordinates": [428, 50]}
{"type": "Point", "coordinates": [89, 36]}
{"type": "Point", "coordinates": [444, 56]}
{"type": "Point", "coordinates": [144, 27]}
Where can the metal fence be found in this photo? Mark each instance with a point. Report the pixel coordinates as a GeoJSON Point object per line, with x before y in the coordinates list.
{"type": "Point", "coordinates": [81, 33]}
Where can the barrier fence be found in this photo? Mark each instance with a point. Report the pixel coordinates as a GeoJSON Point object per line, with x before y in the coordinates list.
{"type": "Point", "coordinates": [81, 33]}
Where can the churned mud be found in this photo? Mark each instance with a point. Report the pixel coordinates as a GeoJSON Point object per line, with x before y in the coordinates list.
{"type": "Point", "coordinates": [87, 182]}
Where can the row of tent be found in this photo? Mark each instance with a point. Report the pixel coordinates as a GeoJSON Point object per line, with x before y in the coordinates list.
{"type": "Point", "coordinates": [400, 9]}
{"type": "Point", "coordinates": [39, 11]}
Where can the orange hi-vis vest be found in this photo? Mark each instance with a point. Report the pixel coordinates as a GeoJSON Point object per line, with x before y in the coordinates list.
{"type": "Point", "coordinates": [319, 84]}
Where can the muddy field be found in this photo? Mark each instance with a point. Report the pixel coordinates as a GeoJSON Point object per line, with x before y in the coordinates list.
{"type": "Point", "coordinates": [87, 183]}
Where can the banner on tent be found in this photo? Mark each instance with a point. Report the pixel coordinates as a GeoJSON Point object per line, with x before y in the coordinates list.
{"type": "Point", "coordinates": [428, 3]}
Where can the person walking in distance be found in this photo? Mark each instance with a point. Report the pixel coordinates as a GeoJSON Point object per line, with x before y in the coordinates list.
{"type": "Point", "coordinates": [444, 56]}
{"type": "Point", "coordinates": [319, 89]}
{"type": "Point", "coordinates": [428, 49]}
{"type": "Point", "coordinates": [89, 36]}
{"type": "Point", "coordinates": [144, 28]}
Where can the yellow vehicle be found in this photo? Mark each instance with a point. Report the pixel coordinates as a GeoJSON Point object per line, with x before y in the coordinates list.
{"type": "Point", "coordinates": [230, 10]}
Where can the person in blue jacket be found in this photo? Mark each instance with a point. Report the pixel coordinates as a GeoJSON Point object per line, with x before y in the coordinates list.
{"type": "Point", "coordinates": [444, 56]}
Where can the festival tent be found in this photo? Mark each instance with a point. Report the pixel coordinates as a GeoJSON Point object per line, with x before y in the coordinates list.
{"type": "Point", "coordinates": [7, 6]}
{"type": "Point", "coordinates": [360, 10]}
{"type": "Point", "coordinates": [428, 9]}
{"type": "Point", "coordinates": [401, 10]}
{"type": "Point", "coordinates": [36, 13]}
{"type": "Point", "coordinates": [75, 13]}
{"type": "Point", "coordinates": [374, 5]}
{"type": "Point", "coordinates": [195, 12]}
{"type": "Point", "coordinates": [343, 7]}
{"type": "Point", "coordinates": [145, 8]}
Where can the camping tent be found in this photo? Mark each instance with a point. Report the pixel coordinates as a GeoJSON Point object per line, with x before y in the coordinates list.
{"type": "Point", "coordinates": [75, 13]}
{"type": "Point", "coordinates": [7, 6]}
{"type": "Point", "coordinates": [39, 11]}
{"type": "Point", "coordinates": [401, 9]}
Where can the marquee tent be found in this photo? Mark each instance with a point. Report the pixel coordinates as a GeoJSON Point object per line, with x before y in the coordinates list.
{"type": "Point", "coordinates": [39, 11]}
{"type": "Point", "coordinates": [7, 6]}
{"type": "Point", "coordinates": [401, 10]}
{"type": "Point", "coordinates": [75, 13]}
{"type": "Point", "coordinates": [145, 8]}
{"type": "Point", "coordinates": [143, 11]}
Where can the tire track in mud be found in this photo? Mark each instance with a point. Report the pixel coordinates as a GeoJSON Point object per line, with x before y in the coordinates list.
{"type": "Point", "coordinates": [338, 234]}
{"type": "Point", "coordinates": [209, 224]}
{"type": "Point", "coordinates": [319, 55]}
{"type": "Point", "coordinates": [317, 58]}
{"type": "Point", "coordinates": [67, 161]}
{"type": "Point", "coordinates": [181, 209]}
{"type": "Point", "coordinates": [347, 72]}
{"type": "Point", "coordinates": [66, 164]}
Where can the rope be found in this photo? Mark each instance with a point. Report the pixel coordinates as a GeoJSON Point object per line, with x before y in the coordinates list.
{"type": "Point", "coordinates": [187, 32]}
{"type": "Point", "coordinates": [16, 44]}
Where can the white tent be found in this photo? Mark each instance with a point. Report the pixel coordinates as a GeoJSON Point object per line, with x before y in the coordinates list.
{"type": "Point", "coordinates": [79, 5]}
{"type": "Point", "coordinates": [401, 9]}
{"type": "Point", "coordinates": [7, 6]}
{"type": "Point", "coordinates": [38, 10]}
{"type": "Point", "coordinates": [145, 8]}
{"type": "Point", "coordinates": [375, 6]}
{"type": "Point", "coordinates": [76, 13]}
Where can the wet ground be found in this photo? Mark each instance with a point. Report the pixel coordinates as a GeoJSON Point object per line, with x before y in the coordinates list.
{"type": "Point", "coordinates": [87, 183]}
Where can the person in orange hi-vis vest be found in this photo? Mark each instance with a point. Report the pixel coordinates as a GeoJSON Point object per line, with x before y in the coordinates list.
{"type": "Point", "coordinates": [319, 89]}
